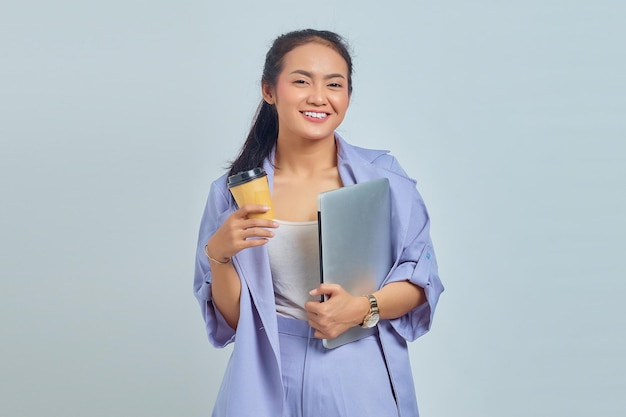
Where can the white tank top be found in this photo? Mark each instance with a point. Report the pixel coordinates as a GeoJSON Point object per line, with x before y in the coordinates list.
{"type": "Point", "coordinates": [294, 262]}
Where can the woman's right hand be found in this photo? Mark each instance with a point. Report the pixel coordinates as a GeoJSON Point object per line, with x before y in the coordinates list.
{"type": "Point", "coordinates": [239, 232]}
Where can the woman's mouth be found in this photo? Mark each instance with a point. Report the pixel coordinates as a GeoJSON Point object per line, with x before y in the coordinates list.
{"type": "Point", "coordinates": [315, 115]}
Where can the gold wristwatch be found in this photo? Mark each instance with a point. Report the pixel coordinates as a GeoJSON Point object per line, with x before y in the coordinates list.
{"type": "Point", "coordinates": [371, 319]}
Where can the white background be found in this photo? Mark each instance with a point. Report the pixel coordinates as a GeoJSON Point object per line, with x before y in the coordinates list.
{"type": "Point", "coordinates": [115, 116]}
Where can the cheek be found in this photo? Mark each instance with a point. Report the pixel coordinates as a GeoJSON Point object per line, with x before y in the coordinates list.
{"type": "Point", "coordinates": [279, 90]}
{"type": "Point", "coordinates": [284, 93]}
{"type": "Point", "coordinates": [343, 101]}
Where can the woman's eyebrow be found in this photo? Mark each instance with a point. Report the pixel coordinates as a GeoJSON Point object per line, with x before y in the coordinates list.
{"type": "Point", "coordinates": [310, 75]}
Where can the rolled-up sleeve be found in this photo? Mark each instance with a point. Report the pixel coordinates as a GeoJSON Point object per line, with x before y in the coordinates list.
{"type": "Point", "coordinates": [219, 332]}
{"type": "Point", "coordinates": [418, 265]}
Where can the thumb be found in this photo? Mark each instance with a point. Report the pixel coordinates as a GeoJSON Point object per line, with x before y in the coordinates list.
{"type": "Point", "coordinates": [324, 289]}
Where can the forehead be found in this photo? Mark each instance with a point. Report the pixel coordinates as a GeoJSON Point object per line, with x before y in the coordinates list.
{"type": "Point", "coordinates": [315, 57]}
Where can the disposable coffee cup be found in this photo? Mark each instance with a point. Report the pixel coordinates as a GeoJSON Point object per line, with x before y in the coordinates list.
{"type": "Point", "coordinates": [252, 187]}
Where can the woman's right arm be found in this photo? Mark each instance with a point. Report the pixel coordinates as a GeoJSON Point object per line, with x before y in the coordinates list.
{"type": "Point", "coordinates": [238, 232]}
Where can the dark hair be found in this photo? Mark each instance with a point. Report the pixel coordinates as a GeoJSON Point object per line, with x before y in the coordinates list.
{"type": "Point", "coordinates": [264, 131]}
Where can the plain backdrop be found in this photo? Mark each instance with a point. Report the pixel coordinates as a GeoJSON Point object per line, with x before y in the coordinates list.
{"type": "Point", "coordinates": [115, 117]}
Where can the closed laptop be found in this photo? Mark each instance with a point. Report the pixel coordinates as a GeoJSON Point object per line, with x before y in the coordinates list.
{"type": "Point", "coordinates": [355, 242]}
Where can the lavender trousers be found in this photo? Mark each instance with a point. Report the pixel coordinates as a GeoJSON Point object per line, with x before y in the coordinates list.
{"type": "Point", "coordinates": [350, 380]}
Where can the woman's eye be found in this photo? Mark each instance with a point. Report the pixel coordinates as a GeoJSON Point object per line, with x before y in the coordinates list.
{"type": "Point", "coordinates": [299, 82]}
{"type": "Point", "coordinates": [335, 85]}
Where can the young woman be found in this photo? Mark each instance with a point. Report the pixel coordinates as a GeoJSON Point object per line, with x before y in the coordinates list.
{"type": "Point", "coordinates": [257, 280]}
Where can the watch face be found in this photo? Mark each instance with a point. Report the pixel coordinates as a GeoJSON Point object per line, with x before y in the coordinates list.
{"type": "Point", "coordinates": [372, 320]}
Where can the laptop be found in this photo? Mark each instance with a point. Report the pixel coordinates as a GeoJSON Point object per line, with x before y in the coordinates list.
{"type": "Point", "coordinates": [354, 224]}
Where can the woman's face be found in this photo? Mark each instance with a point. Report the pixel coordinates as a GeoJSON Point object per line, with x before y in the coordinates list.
{"type": "Point", "coordinates": [311, 93]}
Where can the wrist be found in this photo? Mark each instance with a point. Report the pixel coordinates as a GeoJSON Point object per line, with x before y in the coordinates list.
{"type": "Point", "coordinates": [219, 260]}
{"type": "Point", "coordinates": [373, 314]}
{"type": "Point", "coordinates": [363, 309]}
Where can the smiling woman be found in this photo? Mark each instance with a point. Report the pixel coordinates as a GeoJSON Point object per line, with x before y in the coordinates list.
{"type": "Point", "coordinates": [258, 283]}
{"type": "Point", "coordinates": [311, 94]}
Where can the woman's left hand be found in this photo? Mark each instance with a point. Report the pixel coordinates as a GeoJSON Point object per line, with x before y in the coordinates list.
{"type": "Point", "coordinates": [337, 314]}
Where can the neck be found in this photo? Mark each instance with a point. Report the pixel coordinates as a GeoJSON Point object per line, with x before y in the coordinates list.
{"type": "Point", "coordinates": [305, 158]}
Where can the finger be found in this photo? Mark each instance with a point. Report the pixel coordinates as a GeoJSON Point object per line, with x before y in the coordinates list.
{"type": "Point", "coordinates": [319, 335]}
{"type": "Point", "coordinates": [257, 222]}
{"type": "Point", "coordinates": [328, 289]}
{"type": "Point", "coordinates": [251, 243]}
{"type": "Point", "coordinates": [256, 233]}
{"type": "Point", "coordinates": [312, 308]}
{"type": "Point", "coordinates": [315, 326]}
{"type": "Point", "coordinates": [247, 209]}
{"type": "Point", "coordinates": [324, 334]}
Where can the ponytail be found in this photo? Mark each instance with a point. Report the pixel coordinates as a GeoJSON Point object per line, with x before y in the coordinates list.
{"type": "Point", "coordinates": [260, 141]}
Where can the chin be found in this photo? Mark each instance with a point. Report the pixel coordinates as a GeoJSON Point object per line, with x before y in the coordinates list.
{"type": "Point", "coordinates": [319, 138]}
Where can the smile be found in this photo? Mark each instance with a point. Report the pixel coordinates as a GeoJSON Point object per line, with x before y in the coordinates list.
{"type": "Point", "coordinates": [315, 114]}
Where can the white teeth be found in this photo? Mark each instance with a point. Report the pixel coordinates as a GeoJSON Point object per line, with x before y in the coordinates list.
{"type": "Point", "coordinates": [314, 114]}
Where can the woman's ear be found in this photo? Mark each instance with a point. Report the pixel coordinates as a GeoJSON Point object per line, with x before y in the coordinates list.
{"type": "Point", "coordinates": [268, 93]}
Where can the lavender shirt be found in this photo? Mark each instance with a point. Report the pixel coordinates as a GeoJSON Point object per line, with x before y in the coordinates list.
{"type": "Point", "coordinates": [252, 383]}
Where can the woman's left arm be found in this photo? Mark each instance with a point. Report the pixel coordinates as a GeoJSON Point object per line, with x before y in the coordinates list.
{"type": "Point", "coordinates": [398, 298]}
{"type": "Point", "coordinates": [342, 310]}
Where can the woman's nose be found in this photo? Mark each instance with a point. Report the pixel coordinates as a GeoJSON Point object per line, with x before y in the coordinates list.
{"type": "Point", "coordinates": [316, 97]}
